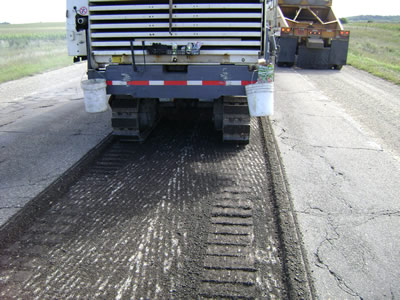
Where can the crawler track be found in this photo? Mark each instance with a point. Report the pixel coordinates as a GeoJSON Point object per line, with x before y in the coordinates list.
{"type": "Point", "coordinates": [181, 216]}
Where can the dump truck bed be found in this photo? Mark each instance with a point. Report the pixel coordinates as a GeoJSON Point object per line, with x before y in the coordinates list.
{"type": "Point", "coordinates": [309, 34]}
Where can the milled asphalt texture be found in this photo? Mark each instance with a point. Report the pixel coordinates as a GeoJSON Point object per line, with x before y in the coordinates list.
{"type": "Point", "coordinates": [181, 216]}
{"type": "Point", "coordinates": [48, 111]}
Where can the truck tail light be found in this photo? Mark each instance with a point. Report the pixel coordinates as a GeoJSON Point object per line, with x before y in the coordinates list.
{"type": "Point", "coordinates": [286, 30]}
{"type": "Point", "coordinates": [315, 32]}
{"type": "Point", "coordinates": [344, 33]}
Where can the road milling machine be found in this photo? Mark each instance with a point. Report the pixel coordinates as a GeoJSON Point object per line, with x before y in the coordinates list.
{"type": "Point", "coordinates": [308, 34]}
{"type": "Point", "coordinates": [161, 53]}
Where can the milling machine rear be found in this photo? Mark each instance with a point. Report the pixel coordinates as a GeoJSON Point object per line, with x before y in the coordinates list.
{"type": "Point", "coordinates": [158, 53]}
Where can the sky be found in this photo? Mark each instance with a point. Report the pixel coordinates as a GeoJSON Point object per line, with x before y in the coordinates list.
{"type": "Point", "coordinates": [29, 11]}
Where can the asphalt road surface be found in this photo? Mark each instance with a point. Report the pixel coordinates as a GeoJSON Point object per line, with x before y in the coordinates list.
{"type": "Point", "coordinates": [338, 133]}
{"type": "Point", "coordinates": [44, 130]}
{"type": "Point", "coordinates": [339, 137]}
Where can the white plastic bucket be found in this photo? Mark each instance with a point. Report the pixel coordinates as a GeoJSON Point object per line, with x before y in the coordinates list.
{"type": "Point", "coordinates": [260, 98]}
{"type": "Point", "coordinates": [95, 97]}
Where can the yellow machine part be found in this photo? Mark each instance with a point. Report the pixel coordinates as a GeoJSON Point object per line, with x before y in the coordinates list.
{"type": "Point", "coordinates": [306, 2]}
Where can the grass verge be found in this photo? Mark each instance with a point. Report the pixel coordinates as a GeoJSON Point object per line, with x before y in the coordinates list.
{"type": "Point", "coordinates": [375, 48]}
{"type": "Point", "coordinates": [28, 49]}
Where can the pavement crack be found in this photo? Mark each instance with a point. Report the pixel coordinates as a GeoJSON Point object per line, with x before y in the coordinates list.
{"type": "Point", "coordinates": [77, 132]}
{"type": "Point", "coordinates": [11, 207]}
{"type": "Point", "coordinates": [291, 139]}
{"type": "Point", "coordinates": [342, 284]}
{"type": "Point", "coordinates": [43, 106]}
{"type": "Point", "coordinates": [16, 110]}
{"type": "Point", "coordinates": [347, 148]}
{"type": "Point", "coordinates": [321, 116]}
{"type": "Point", "coordinates": [312, 211]}
{"type": "Point", "coordinates": [386, 213]}
{"type": "Point", "coordinates": [340, 281]}
{"type": "Point", "coordinates": [13, 121]}
{"type": "Point", "coordinates": [5, 124]}
{"type": "Point", "coordinates": [286, 141]}
{"type": "Point", "coordinates": [336, 172]}
{"type": "Point", "coordinates": [13, 131]}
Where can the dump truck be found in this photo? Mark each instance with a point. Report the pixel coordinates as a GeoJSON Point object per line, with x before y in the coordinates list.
{"type": "Point", "coordinates": [308, 34]}
{"type": "Point", "coordinates": [171, 53]}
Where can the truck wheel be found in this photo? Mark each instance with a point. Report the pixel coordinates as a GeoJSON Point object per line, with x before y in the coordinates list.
{"type": "Point", "coordinates": [285, 64]}
{"type": "Point", "coordinates": [338, 67]}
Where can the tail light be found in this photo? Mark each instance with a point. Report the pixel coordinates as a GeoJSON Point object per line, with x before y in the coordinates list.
{"type": "Point", "coordinates": [286, 30]}
{"type": "Point", "coordinates": [314, 32]}
{"type": "Point", "coordinates": [344, 33]}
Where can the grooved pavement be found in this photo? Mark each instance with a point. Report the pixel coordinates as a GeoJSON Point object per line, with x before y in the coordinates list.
{"type": "Point", "coordinates": [181, 216]}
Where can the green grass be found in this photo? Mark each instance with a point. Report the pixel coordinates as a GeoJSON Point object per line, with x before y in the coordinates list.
{"type": "Point", "coordinates": [375, 48]}
{"type": "Point", "coordinates": [28, 49]}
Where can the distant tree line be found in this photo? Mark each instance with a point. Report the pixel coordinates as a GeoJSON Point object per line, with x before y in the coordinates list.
{"type": "Point", "coordinates": [4, 23]}
{"type": "Point", "coordinates": [372, 18]}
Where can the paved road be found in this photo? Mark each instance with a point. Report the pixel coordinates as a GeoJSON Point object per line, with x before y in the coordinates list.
{"type": "Point", "coordinates": [43, 131]}
{"type": "Point", "coordinates": [339, 136]}
{"type": "Point", "coordinates": [182, 216]}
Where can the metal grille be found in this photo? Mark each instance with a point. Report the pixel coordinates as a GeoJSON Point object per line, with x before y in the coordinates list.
{"type": "Point", "coordinates": [222, 28]}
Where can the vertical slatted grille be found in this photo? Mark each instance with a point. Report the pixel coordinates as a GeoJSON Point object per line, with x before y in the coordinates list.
{"type": "Point", "coordinates": [222, 27]}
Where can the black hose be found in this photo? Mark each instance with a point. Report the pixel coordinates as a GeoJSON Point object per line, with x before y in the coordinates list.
{"type": "Point", "coordinates": [144, 56]}
{"type": "Point", "coordinates": [133, 57]}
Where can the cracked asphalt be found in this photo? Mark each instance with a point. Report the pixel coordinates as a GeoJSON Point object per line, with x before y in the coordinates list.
{"type": "Point", "coordinates": [339, 138]}
{"type": "Point", "coordinates": [44, 130]}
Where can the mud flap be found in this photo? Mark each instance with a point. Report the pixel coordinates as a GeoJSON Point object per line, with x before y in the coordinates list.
{"type": "Point", "coordinates": [313, 58]}
{"type": "Point", "coordinates": [287, 51]}
{"type": "Point", "coordinates": [338, 54]}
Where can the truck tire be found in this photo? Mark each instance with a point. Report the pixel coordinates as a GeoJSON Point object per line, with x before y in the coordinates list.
{"type": "Point", "coordinates": [338, 67]}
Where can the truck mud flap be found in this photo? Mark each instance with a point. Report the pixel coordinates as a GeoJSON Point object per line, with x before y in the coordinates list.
{"type": "Point", "coordinates": [313, 58]}
{"type": "Point", "coordinates": [287, 51]}
{"type": "Point", "coordinates": [338, 53]}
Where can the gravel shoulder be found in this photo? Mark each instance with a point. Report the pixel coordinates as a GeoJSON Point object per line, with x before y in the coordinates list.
{"type": "Point", "coordinates": [339, 141]}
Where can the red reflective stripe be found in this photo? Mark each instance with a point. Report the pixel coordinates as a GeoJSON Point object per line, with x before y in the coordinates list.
{"type": "Point", "coordinates": [174, 82]}
{"type": "Point", "coordinates": [244, 82]}
{"type": "Point", "coordinates": [138, 82]}
{"type": "Point", "coordinates": [183, 83]}
{"type": "Point", "coordinates": [214, 82]}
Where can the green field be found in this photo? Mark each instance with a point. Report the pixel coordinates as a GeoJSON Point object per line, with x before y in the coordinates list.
{"type": "Point", "coordinates": [375, 47]}
{"type": "Point", "coordinates": [27, 49]}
